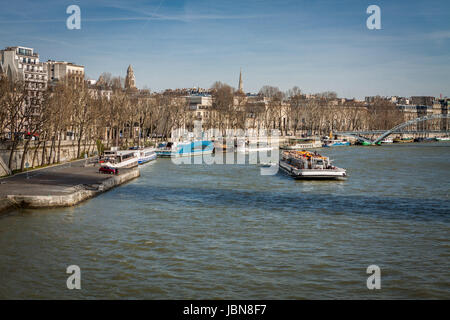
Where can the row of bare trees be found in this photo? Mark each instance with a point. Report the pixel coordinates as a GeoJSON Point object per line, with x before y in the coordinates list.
{"type": "Point", "coordinates": [293, 112]}
{"type": "Point", "coordinates": [84, 115]}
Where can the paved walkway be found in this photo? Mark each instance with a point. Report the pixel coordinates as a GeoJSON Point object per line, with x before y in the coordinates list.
{"type": "Point", "coordinates": [57, 180]}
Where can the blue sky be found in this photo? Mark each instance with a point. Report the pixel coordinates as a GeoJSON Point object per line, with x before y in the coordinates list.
{"type": "Point", "coordinates": [317, 45]}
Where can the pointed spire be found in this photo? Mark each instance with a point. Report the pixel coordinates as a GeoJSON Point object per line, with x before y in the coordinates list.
{"type": "Point", "coordinates": [241, 84]}
{"type": "Point", "coordinates": [130, 80]}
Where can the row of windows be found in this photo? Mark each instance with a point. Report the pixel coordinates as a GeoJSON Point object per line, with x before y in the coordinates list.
{"type": "Point", "coordinates": [31, 68]}
{"type": "Point", "coordinates": [34, 94]}
{"type": "Point", "coordinates": [25, 52]}
{"type": "Point", "coordinates": [36, 86]}
{"type": "Point", "coordinates": [29, 60]}
{"type": "Point", "coordinates": [35, 76]}
{"type": "Point", "coordinates": [74, 72]}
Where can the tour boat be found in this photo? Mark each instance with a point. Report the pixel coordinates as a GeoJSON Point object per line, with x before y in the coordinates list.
{"type": "Point", "coordinates": [184, 149]}
{"type": "Point", "coordinates": [119, 159]}
{"type": "Point", "coordinates": [301, 144]}
{"type": "Point", "coordinates": [145, 155]}
{"type": "Point", "coordinates": [335, 143]}
{"type": "Point", "coordinates": [307, 165]}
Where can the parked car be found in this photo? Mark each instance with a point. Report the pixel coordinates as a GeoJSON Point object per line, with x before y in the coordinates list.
{"type": "Point", "coordinates": [109, 170]}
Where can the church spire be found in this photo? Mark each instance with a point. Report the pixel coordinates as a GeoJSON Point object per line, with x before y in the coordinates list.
{"type": "Point", "coordinates": [130, 80]}
{"type": "Point", "coordinates": [241, 84]}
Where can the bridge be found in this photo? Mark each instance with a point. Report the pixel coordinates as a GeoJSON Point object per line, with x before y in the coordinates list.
{"type": "Point", "coordinates": [397, 129]}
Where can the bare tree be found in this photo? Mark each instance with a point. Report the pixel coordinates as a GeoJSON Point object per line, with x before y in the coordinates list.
{"type": "Point", "coordinates": [83, 115]}
{"type": "Point", "coordinates": [19, 111]}
{"type": "Point", "coordinates": [223, 102]}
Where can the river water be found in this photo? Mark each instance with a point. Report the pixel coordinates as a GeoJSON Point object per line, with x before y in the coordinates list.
{"type": "Point", "coordinates": [227, 232]}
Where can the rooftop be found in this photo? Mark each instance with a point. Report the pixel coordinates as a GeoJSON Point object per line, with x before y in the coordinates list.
{"type": "Point", "coordinates": [64, 62]}
{"type": "Point", "coordinates": [22, 51]}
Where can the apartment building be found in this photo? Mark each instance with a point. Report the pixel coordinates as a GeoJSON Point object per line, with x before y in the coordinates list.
{"type": "Point", "coordinates": [63, 70]}
{"type": "Point", "coordinates": [22, 64]}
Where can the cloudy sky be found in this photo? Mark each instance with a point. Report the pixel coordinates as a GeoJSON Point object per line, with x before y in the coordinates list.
{"type": "Point", "coordinates": [317, 45]}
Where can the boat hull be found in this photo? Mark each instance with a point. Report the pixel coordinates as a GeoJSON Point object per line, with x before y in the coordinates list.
{"type": "Point", "coordinates": [186, 149]}
{"type": "Point", "coordinates": [337, 144]}
{"type": "Point", "coordinates": [144, 160]}
{"type": "Point", "coordinates": [302, 146]}
{"type": "Point", "coordinates": [171, 154]}
{"type": "Point", "coordinates": [403, 140]}
{"type": "Point", "coordinates": [313, 174]}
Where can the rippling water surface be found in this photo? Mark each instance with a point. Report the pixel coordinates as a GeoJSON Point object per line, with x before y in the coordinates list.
{"type": "Point", "coordinates": [226, 232]}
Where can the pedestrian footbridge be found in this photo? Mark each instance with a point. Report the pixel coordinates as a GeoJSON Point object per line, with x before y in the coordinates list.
{"type": "Point", "coordinates": [397, 129]}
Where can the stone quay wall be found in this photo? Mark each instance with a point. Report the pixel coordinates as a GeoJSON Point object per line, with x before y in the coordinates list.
{"type": "Point", "coordinates": [69, 149]}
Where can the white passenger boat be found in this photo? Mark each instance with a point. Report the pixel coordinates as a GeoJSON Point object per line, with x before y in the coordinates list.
{"type": "Point", "coordinates": [387, 140]}
{"type": "Point", "coordinates": [307, 165]}
{"type": "Point", "coordinates": [145, 155]}
{"type": "Point", "coordinates": [183, 149]}
{"type": "Point", "coordinates": [335, 143]}
{"type": "Point", "coordinates": [119, 158]}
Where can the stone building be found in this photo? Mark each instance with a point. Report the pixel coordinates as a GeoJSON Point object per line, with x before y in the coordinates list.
{"type": "Point", "coordinates": [22, 64]}
{"type": "Point", "coordinates": [422, 100]}
{"type": "Point", "coordinates": [62, 70]}
{"type": "Point", "coordinates": [200, 105]}
{"type": "Point", "coordinates": [99, 88]}
{"type": "Point", "coordinates": [441, 106]}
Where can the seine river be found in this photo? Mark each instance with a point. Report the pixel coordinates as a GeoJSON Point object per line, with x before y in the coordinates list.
{"type": "Point", "coordinates": [227, 232]}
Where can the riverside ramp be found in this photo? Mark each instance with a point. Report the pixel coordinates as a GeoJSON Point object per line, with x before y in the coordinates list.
{"type": "Point", "coordinates": [59, 186]}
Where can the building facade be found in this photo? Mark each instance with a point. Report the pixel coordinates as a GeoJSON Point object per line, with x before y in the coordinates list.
{"type": "Point", "coordinates": [62, 70]}
{"type": "Point", "coordinates": [22, 64]}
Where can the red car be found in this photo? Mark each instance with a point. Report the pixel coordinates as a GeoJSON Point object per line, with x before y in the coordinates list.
{"type": "Point", "coordinates": [110, 170]}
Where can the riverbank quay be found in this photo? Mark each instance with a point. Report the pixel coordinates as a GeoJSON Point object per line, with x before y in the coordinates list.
{"type": "Point", "coordinates": [59, 186]}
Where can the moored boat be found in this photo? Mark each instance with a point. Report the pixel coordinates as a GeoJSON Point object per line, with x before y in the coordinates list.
{"type": "Point", "coordinates": [386, 141]}
{"type": "Point", "coordinates": [403, 140]}
{"type": "Point", "coordinates": [335, 143]}
{"type": "Point", "coordinates": [184, 149]}
{"type": "Point", "coordinates": [364, 143]}
{"type": "Point", "coordinates": [307, 165]}
{"type": "Point", "coordinates": [145, 155]}
{"type": "Point", "coordinates": [301, 144]}
{"type": "Point", "coordinates": [119, 159]}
